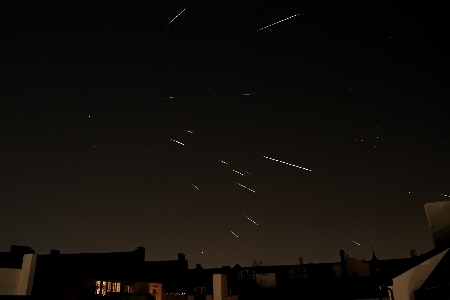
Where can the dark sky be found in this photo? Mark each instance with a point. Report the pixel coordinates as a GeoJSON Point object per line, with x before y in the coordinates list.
{"type": "Point", "coordinates": [356, 91]}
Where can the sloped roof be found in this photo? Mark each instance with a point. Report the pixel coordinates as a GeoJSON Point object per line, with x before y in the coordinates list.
{"type": "Point", "coordinates": [74, 269]}
{"type": "Point", "coordinates": [440, 276]}
{"type": "Point", "coordinates": [147, 271]}
{"type": "Point", "coordinates": [59, 267]}
{"type": "Point", "coordinates": [82, 259]}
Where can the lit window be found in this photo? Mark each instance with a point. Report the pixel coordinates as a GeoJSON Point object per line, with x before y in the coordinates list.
{"type": "Point", "coordinates": [102, 287]}
{"type": "Point", "coordinates": [116, 287]}
{"type": "Point", "coordinates": [298, 274]}
{"type": "Point", "coordinates": [97, 287]}
{"type": "Point", "coordinates": [247, 275]}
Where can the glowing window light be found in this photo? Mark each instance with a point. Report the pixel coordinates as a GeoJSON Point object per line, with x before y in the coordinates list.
{"type": "Point", "coordinates": [102, 287]}
{"type": "Point", "coordinates": [97, 287]}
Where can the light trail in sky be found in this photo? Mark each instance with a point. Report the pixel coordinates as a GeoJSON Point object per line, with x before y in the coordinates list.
{"type": "Point", "coordinates": [195, 187]}
{"type": "Point", "coordinates": [238, 172]}
{"type": "Point", "coordinates": [177, 16]}
{"type": "Point", "coordinates": [188, 131]}
{"type": "Point", "coordinates": [247, 172]}
{"type": "Point", "coordinates": [234, 233]}
{"type": "Point", "coordinates": [287, 163]}
{"type": "Point", "coordinates": [274, 23]}
{"type": "Point", "coordinates": [444, 195]}
{"type": "Point", "coordinates": [245, 187]}
{"type": "Point", "coordinates": [245, 94]}
{"type": "Point", "coordinates": [355, 242]}
{"type": "Point", "coordinates": [250, 220]}
{"type": "Point", "coordinates": [177, 142]}
{"type": "Point", "coordinates": [223, 162]}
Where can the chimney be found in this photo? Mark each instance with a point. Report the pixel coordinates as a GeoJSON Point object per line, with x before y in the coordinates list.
{"type": "Point", "coordinates": [54, 252]}
{"type": "Point", "coordinates": [140, 253]}
{"type": "Point", "coordinates": [198, 267]}
{"type": "Point", "coordinates": [343, 263]}
{"type": "Point", "coordinates": [181, 257]}
{"type": "Point", "coordinates": [413, 253]}
{"type": "Point", "coordinates": [21, 249]}
{"type": "Point", "coordinates": [300, 260]}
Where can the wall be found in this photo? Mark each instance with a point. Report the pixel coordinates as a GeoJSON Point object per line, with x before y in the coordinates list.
{"type": "Point", "coordinates": [174, 296]}
{"type": "Point", "coordinates": [266, 280]}
{"type": "Point", "coordinates": [405, 284]}
{"type": "Point", "coordinates": [156, 287]}
{"type": "Point", "coordinates": [141, 287]}
{"type": "Point", "coordinates": [147, 288]}
{"type": "Point", "coordinates": [438, 215]}
{"type": "Point", "coordinates": [18, 281]}
{"type": "Point", "coordinates": [9, 279]}
{"type": "Point", "coordinates": [354, 267]}
{"type": "Point", "coordinates": [220, 287]}
{"type": "Point", "coordinates": [357, 267]}
{"type": "Point", "coordinates": [26, 277]}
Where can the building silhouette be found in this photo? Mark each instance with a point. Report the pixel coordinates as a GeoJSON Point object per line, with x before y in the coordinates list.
{"type": "Point", "coordinates": [127, 275]}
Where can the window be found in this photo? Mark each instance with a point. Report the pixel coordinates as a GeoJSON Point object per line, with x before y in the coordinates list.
{"type": "Point", "coordinates": [247, 275]}
{"type": "Point", "coordinates": [200, 290]}
{"type": "Point", "coordinates": [127, 289]}
{"type": "Point", "coordinates": [97, 287]}
{"type": "Point", "coordinates": [298, 274]}
{"type": "Point", "coordinates": [102, 287]}
{"type": "Point", "coordinates": [116, 287]}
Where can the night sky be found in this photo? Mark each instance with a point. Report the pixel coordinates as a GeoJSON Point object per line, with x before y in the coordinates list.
{"type": "Point", "coordinates": [95, 96]}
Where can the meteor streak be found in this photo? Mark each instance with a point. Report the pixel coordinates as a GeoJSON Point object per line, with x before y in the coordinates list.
{"type": "Point", "coordinates": [444, 195]}
{"type": "Point", "coordinates": [250, 220]}
{"type": "Point", "coordinates": [274, 23]}
{"type": "Point", "coordinates": [355, 242]}
{"type": "Point", "coordinates": [245, 94]}
{"type": "Point", "coordinates": [195, 187]}
{"type": "Point", "coordinates": [245, 187]}
{"type": "Point", "coordinates": [287, 163]}
{"type": "Point", "coordinates": [188, 131]}
{"type": "Point", "coordinates": [238, 172]}
{"type": "Point", "coordinates": [234, 234]}
{"type": "Point", "coordinates": [223, 162]}
{"type": "Point", "coordinates": [177, 142]}
{"type": "Point", "coordinates": [177, 16]}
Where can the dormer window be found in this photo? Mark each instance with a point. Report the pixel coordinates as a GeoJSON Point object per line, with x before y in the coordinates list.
{"type": "Point", "coordinates": [298, 274]}
{"type": "Point", "coordinates": [247, 275]}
